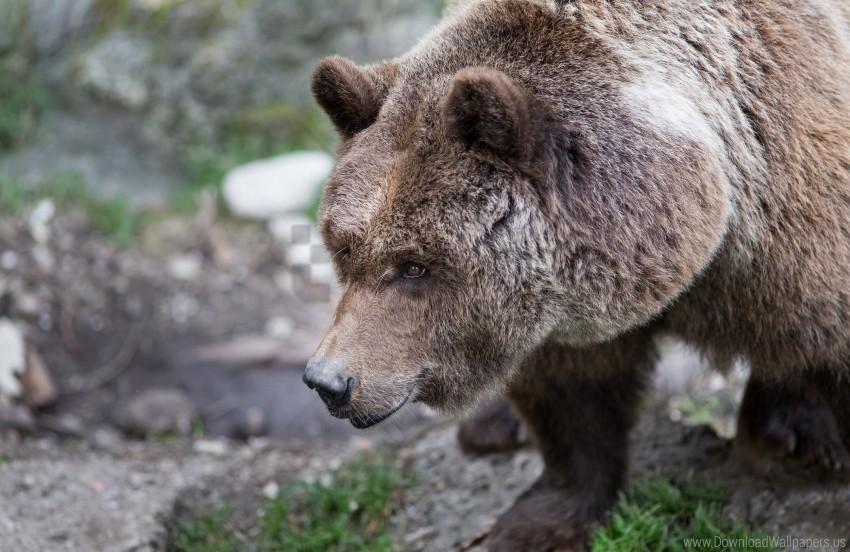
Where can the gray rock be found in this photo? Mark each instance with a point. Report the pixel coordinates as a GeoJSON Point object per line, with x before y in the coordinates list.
{"type": "Point", "coordinates": [229, 66]}
{"type": "Point", "coordinates": [15, 416]}
{"type": "Point", "coordinates": [116, 70]}
{"type": "Point", "coordinates": [193, 77]}
{"type": "Point", "coordinates": [54, 22]}
{"type": "Point", "coordinates": [107, 150]}
{"type": "Point", "coordinates": [158, 410]}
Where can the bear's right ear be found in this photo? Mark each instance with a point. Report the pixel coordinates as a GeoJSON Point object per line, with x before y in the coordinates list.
{"type": "Point", "coordinates": [351, 96]}
{"type": "Point", "coordinates": [488, 112]}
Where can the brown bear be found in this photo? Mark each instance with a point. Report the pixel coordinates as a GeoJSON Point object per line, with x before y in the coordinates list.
{"type": "Point", "coordinates": [527, 198]}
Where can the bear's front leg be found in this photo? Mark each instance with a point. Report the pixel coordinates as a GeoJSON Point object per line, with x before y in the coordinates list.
{"type": "Point", "coordinates": [579, 405]}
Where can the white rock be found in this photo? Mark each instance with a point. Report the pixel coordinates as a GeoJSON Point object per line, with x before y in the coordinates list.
{"type": "Point", "coordinates": [39, 220]}
{"type": "Point", "coordinates": [12, 358]}
{"type": "Point", "coordinates": [280, 327]}
{"type": "Point", "coordinates": [271, 490]}
{"type": "Point", "coordinates": [186, 266]}
{"type": "Point", "coordinates": [215, 447]}
{"type": "Point", "coordinates": [282, 184]}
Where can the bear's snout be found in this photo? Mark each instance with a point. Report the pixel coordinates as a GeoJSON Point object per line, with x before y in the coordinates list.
{"type": "Point", "coordinates": [329, 382]}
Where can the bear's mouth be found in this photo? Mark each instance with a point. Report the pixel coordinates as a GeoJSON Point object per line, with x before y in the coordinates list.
{"type": "Point", "coordinates": [362, 422]}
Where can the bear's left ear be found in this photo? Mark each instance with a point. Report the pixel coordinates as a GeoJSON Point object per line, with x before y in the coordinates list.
{"type": "Point", "coordinates": [352, 96]}
{"type": "Point", "coordinates": [487, 111]}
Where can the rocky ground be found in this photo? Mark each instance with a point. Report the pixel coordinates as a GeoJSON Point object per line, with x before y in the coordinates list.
{"type": "Point", "coordinates": [121, 496]}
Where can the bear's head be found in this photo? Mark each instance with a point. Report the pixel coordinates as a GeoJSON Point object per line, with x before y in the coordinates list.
{"type": "Point", "coordinates": [499, 186]}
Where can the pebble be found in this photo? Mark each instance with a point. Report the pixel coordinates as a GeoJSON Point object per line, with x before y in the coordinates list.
{"type": "Point", "coordinates": [215, 447]}
{"type": "Point", "coordinates": [271, 490]}
{"type": "Point", "coordinates": [155, 410]}
{"type": "Point", "coordinates": [186, 266]}
{"type": "Point", "coordinates": [280, 327]}
{"type": "Point", "coordinates": [9, 260]}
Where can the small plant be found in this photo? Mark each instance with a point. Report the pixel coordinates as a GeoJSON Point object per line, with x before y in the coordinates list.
{"type": "Point", "coordinates": [114, 218]}
{"type": "Point", "coordinates": [657, 515]}
{"type": "Point", "coordinates": [204, 533]}
{"type": "Point", "coordinates": [346, 511]}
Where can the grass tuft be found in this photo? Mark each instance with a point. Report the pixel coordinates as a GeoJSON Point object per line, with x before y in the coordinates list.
{"type": "Point", "coordinates": [205, 532]}
{"type": "Point", "coordinates": [657, 515]}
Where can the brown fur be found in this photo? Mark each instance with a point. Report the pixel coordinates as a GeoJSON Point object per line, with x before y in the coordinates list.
{"type": "Point", "coordinates": [496, 427]}
{"type": "Point", "coordinates": [576, 177]}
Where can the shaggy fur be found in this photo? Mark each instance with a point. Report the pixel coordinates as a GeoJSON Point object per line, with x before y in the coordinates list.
{"type": "Point", "coordinates": [576, 177]}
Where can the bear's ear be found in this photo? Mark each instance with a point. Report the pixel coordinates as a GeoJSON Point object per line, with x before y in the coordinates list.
{"type": "Point", "coordinates": [487, 111]}
{"type": "Point", "coordinates": [351, 96]}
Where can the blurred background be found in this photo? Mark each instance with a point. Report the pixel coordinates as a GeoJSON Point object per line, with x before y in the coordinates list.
{"type": "Point", "coordinates": [138, 280]}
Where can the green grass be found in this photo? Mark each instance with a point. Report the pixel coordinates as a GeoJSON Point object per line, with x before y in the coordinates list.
{"type": "Point", "coordinates": [348, 512]}
{"type": "Point", "coordinates": [22, 101]}
{"type": "Point", "coordinates": [204, 533]}
{"type": "Point", "coordinates": [657, 515]}
{"type": "Point", "coordinates": [114, 218]}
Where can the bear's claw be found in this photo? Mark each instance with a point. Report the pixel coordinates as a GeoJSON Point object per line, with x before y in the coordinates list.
{"type": "Point", "coordinates": [781, 424]}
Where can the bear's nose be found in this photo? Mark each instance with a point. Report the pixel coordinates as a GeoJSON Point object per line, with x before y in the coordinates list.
{"type": "Point", "coordinates": [329, 382]}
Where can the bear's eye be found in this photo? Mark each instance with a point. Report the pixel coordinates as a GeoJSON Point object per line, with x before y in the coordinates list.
{"type": "Point", "coordinates": [343, 254]}
{"type": "Point", "coordinates": [412, 270]}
